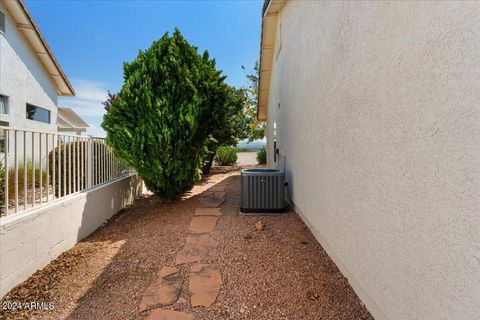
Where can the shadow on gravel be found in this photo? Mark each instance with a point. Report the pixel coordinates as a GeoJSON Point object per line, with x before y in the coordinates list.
{"type": "Point", "coordinates": [231, 205]}
{"type": "Point", "coordinates": [150, 233]}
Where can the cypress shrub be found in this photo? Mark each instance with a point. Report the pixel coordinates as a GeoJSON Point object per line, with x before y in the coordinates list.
{"type": "Point", "coordinates": [170, 101]}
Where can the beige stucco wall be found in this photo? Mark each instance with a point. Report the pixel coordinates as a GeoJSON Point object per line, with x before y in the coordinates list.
{"type": "Point", "coordinates": [379, 134]}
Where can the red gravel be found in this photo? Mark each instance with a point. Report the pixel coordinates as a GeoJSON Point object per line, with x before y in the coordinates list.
{"type": "Point", "coordinates": [280, 272]}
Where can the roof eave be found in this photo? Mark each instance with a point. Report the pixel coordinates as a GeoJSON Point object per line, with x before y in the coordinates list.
{"type": "Point", "coordinates": [71, 118]}
{"type": "Point", "coordinates": [267, 45]}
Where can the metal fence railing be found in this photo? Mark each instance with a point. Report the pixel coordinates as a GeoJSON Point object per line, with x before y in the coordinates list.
{"type": "Point", "coordinates": [40, 167]}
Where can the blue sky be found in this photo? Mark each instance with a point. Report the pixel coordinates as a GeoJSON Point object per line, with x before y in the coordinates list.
{"type": "Point", "coordinates": [92, 39]}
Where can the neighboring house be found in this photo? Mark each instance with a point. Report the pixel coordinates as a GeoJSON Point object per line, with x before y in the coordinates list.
{"type": "Point", "coordinates": [374, 108]}
{"type": "Point", "coordinates": [30, 77]}
{"type": "Point", "coordinates": [70, 122]}
{"type": "Point", "coordinates": [31, 80]}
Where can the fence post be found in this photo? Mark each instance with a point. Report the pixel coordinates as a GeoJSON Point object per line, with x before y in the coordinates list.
{"type": "Point", "coordinates": [89, 162]}
{"type": "Point", "coordinates": [5, 150]}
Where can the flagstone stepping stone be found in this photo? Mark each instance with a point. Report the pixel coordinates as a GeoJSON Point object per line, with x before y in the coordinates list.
{"type": "Point", "coordinates": [204, 285]}
{"type": "Point", "coordinates": [211, 202]}
{"type": "Point", "coordinates": [203, 224]}
{"type": "Point", "coordinates": [197, 248]}
{"type": "Point", "coordinates": [163, 291]}
{"type": "Point", "coordinates": [217, 188]}
{"type": "Point", "coordinates": [209, 194]}
{"type": "Point", "coordinates": [202, 211]}
{"type": "Point", "coordinates": [164, 314]}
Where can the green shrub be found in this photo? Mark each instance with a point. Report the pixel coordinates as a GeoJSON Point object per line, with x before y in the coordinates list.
{"type": "Point", "coordinates": [226, 156]}
{"type": "Point", "coordinates": [70, 171]}
{"type": "Point", "coordinates": [231, 125]}
{"type": "Point", "coordinates": [64, 167]}
{"type": "Point", "coordinates": [169, 104]}
{"type": "Point", "coordinates": [262, 156]}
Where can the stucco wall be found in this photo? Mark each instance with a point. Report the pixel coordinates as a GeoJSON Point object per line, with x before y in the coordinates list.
{"type": "Point", "coordinates": [30, 240]}
{"type": "Point", "coordinates": [24, 80]}
{"type": "Point", "coordinates": [378, 131]}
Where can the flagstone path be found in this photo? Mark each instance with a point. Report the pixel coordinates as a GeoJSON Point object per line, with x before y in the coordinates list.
{"type": "Point", "coordinates": [197, 248]}
{"type": "Point", "coordinates": [166, 314]}
{"type": "Point", "coordinates": [205, 282]}
{"type": "Point", "coordinates": [205, 278]}
{"type": "Point", "coordinates": [149, 262]}
{"type": "Point", "coordinates": [208, 212]}
{"type": "Point", "coordinates": [203, 224]}
{"type": "Point", "coordinates": [212, 201]}
{"type": "Point", "coordinates": [163, 291]}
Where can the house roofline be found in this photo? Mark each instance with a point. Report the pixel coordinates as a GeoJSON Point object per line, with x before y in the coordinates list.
{"type": "Point", "coordinates": [71, 118]}
{"type": "Point", "coordinates": [266, 3]}
{"type": "Point", "coordinates": [34, 37]}
{"type": "Point", "coordinates": [270, 11]}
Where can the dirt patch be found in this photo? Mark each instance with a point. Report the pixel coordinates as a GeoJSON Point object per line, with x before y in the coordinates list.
{"type": "Point", "coordinates": [278, 272]}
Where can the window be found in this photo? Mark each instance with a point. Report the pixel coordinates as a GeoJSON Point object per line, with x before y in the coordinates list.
{"type": "Point", "coordinates": [2, 22]}
{"type": "Point", "coordinates": [3, 104]}
{"type": "Point", "coordinates": [2, 135]}
{"type": "Point", "coordinates": [38, 114]}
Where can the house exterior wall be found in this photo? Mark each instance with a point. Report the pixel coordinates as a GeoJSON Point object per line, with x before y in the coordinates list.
{"type": "Point", "coordinates": [23, 79]}
{"type": "Point", "coordinates": [378, 131]}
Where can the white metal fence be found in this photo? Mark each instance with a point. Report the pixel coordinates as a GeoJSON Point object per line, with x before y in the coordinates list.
{"type": "Point", "coordinates": [40, 167]}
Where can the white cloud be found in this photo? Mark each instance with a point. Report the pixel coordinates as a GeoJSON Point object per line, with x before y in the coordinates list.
{"type": "Point", "coordinates": [88, 99]}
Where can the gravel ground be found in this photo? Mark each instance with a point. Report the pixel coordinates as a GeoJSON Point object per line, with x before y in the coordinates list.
{"type": "Point", "coordinates": [280, 272]}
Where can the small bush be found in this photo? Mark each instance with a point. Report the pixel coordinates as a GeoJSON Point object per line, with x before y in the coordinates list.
{"type": "Point", "coordinates": [262, 156]}
{"type": "Point", "coordinates": [64, 156]}
{"type": "Point", "coordinates": [226, 156]}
